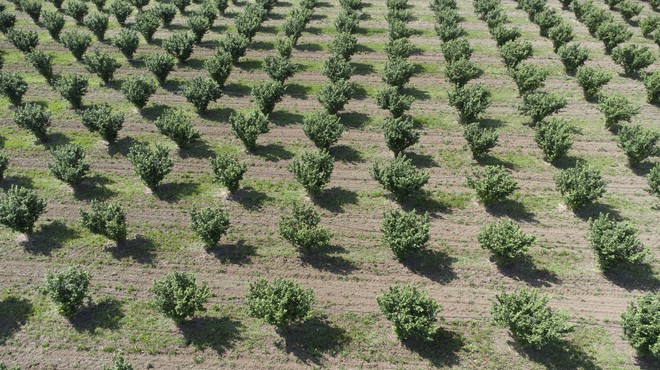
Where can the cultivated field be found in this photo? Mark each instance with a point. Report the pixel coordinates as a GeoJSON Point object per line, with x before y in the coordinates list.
{"type": "Point", "coordinates": [347, 329]}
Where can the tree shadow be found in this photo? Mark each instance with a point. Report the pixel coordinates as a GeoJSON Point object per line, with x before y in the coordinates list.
{"type": "Point", "coordinates": [524, 269]}
{"type": "Point", "coordinates": [432, 264]}
{"type": "Point", "coordinates": [140, 249]}
{"type": "Point", "coordinates": [595, 209]}
{"type": "Point", "coordinates": [106, 314]}
{"type": "Point", "coordinates": [9, 181]}
{"type": "Point", "coordinates": [363, 69]}
{"type": "Point", "coordinates": [299, 91]}
{"type": "Point", "coordinates": [215, 333]}
{"type": "Point", "coordinates": [490, 160]}
{"type": "Point", "coordinates": [647, 362]}
{"type": "Point", "coordinates": [263, 45]}
{"type": "Point", "coordinates": [491, 123]}
{"type": "Point", "coordinates": [173, 192]}
{"type": "Point", "coordinates": [422, 160]}
{"type": "Point", "coordinates": [346, 153]}
{"type": "Point", "coordinates": [560, 356]}
{"type": "Point", "coordinates": [56, 139]}
{"type": "Point", "coordinates": [218, 114]}
{"type": "Point", "coordinates": [15, 312]}
{"type": "Point", "coordinates": [272, 152]}
{"type": "Point", "coordinates": [642, 169]}
{"type": "Point", "coordinates": [416, 93]}
{"type": "Point", "coordinates": [251, 199]}
{"type": "Point", "coordinates": [309, 341]}
{"type": "Point", "coordinates": [49, 237]}
{"type": "Point", "coordinates": [94, 187]}
{"type": "Point", "coordinates": [359, 92]}
{"type": "Point", "coordinates": [250, 65]}
{"type": "Point", "coordinates": [512, 209]}
{"type": "Point", "coordinates": [565, 162]}
{"type": "Point", "coordinates": [153, 111]}
{"type": "Point", "coordinates": [237, 254]}
{"type": "Point", "coordinates": [196, 149]}
{"type": "Point", "coordinates": [441, 351]}
{"type": "Point", "coordinates": [425, 202]}
{"type": "Point", "coordinates": [121, 146]}
{"type": "Point", "coordinates": [635, 277]}
{"type": "Point", "coordinates": [311, 47]}
{"type": "Point", "coordinates": [328, 258]}
{"type": "Point", "coordinates": [285, 118]}
{"type": "Point", "coordinates": [335, 198]}
{"type": "Point", "coordinates": [354, 119]}
{"type": "Point", "coordinates": [174, 86]}
{"type": "Point", "coordinates": [237, 89]}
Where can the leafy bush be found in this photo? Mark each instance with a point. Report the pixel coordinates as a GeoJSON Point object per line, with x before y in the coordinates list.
{"type": "Point", "coordinates": [479, 140]}
{"type": "Point", "coordinates": [119, 363]}
{"type": "Point", "coordinates": [347, 21]}
{"type": "Point", "coordinates": [147, 23]}
{"type": "Point", "coordinates": [648, 25]}
{"type": "Point", "coordinates": [223, 4]}
{"type": "Point", "coordinates": [449, 30]}
{"type": "Point", "coordinates": [219, 66]}
{"type": "Point", "coordinates": [102, 119]}
{"type": "Point", "coordinates": [98, 24]}
{"type": "Point", "coordinates": [4, 163]}
{"type": "Point", "coordinates": [652, 85]}
{"type": "Point", "coordinates": [613, 34]}
{"type": "Point", "coordinates": [653, 179]}
{"type": "Point", "coordinates": [127, 41]}
{"type": "Point", "coordinates": [151, 164]}
{"type": "Point", "coordinates": [503, 34]}
{"type": "Point", "coordinates": [248, 126]}
{"type": "Point", "coordinates": [638, 143]}
{"type": "Point", "coordinates": [628, 9]}
{"type": "Point", "coordinates": [53, 21]}
{"type": "Point", "coordinates": [139, 4]}
{"type": "Point", "coordinates": [580, 185]}
{"type": "Point", "coordinates": [70, 164]}
{"type": "Point", "coordinates": [540, 105]}
{"type": "Point", "coordinates": [594, 17]}
{"type": "Point", "coordinates": [322, 128]}
{"type": "Point", "coordinates": [527, 315]}
{"type": "Point", "coordinates": [641, 324]}
{"type": "Point", "coordinates": [633, 58]}
{"type": "Point", "coordinates": [235, 44]}
{"type": "Point", "coordinates": [560, 35]}
{"type": "Point", "coordinates": [399, 133]}
{"type": "Point", "coordinates": [13, 86]}
{"type": "Point", "coordinates": [344, 44]}
{"type": "Point", "coordinates": [312, 169]}
{"type": "Point", "coordinates": [399, 176]}
{"type": "Point", "coordinates": [107, 219]}
{"type": "Point", "coordinates": [210, 224]}
{"type": "Point", "coordinates": [7, 21]}
{"type": "Point", "coordinates": [301, 228]}
{"type": "Point", "coordinates": [592, 80]}
{"type": "Point", "coordinates": [515, 51]}
{"type": "Point", "coordinates": [279, 302]}
{"type": "Point", "coordinates": [546, 19]}
{"type": "Point", "coordinates": [181, 5]}
{"type": "Point", "coordinates": [200, 92]}
{"type": "Point", "coordinates": [337, 68]}
{"type": "Point", "coordinates": [178, 296]}
{"type": "Point", "coordinates": [615, 243]}
{"type": "Point", "coordinates": [573, 56]}
{"type": "Point", "coordinates": [470, 101]}
{"type": "Point", "coordinates": [166, 13]}
{"type": "Point", "coordinates": [456, 49]}
{"type": "Point", "coordinates": [617, 108]}
{"type": "Point", "coordinates": [34, 118]}
{"type": "Point", "coordinates": [32, 8]}
{"type": "Point", "coordinates": [198, 25]}
{"type": "Point", "coordinates": [398, 29]}
{"type": "Point", "coordinates": [266, 94]}
{"type": "Point", "coordinates": [102, 64]}
{"type": "Point", "coordinates": [410, 310]}
{"type": "Point", "coordinates": [43, 63]}
{"type": "Point", "coordinates": [121, 9]}
{"type": "Point", "coordinates": [399, 48]}
{"type": "Point", "coordinates": [180, 45]}
{"type": "Point", "coordinates": [392, 99]}
{"type": "Point", "coordinates": [528, 77]}
{"type": "Point", "coordinates": [160, 65]}
{"type": "Point", "coordinates": [460, 72]}
{"type": "Point", "coordinates": [554, 137]}
{"type": "Point", "coordinates": [505, 240]}
{"type": "Point", "coordinates": [248, 22]}
{"type": "Point", "coordinates": [23, 40]}
{"type": "Point", "coordinates": [76, 9]}
{"type": "Point", "coordinates": [72, 87]}
{"type": "Point", "coordinates": [405, 232]}
{"type": "Point", "coordinates": [493, 184]}
{"type": "Point", "coordinates": [284, 47]}
{"type": "Point", "coordinates": [228, 171]}
{"type": "Point", "coordinates": [351, 4]}
{"type": "Point", "coordinates": [279, 68]}
{"type": "Point", "coordinates": [176, 125]}
{"type": "Point", "coordinates": [209, 10]}
{"type": "Point", "coordinates": [20, 208]}
{"type": "Point", "coordinates": [76, 41]}
{"type": "Point", "coordinates": [68, 289]}
{"type": "Point", "coordinates": [296, 23]}
{"type": "Point", "coordinates": [138, 90]}
{"type": "Point", "coordinates": [334, 96]}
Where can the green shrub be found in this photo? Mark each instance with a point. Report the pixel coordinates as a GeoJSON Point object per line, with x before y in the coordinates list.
{"type": "Point", "coordinates": [633, 58]}
{"type": "Point", "coordinates": [4, 163]}
{"type": "Point", "coordinates": [337, 68]}
{"type": "Point", "coordinates": [235, 44]}
{"type": "Point", "coordinates": [76, 41]}
{"type": "Point", "coordinates": [648, 25]}
{"type": "Point", "coordinates": [23, 40]}
{"type": "Point", "coordinates": [178, 296]}
{"type": "Point", "coordinates": [652, 85]}
{"type": "Point", "coordinates": [107, 219]}
{"type": "Point", "coordinates": [533, 7]}
{"type": "Point", "coordinates": [344, 44]}
{"type": "Point", "coordinates": [296, 23]}
{"type": "Point", "coordinates": [219, 66]}
{"type": "Point", "coordinates": [397, 72]}
{"type": "Point", "coordinates": [641, 324]}
{"type": "Point", "coordinates": [102, 119]}
{"type": "Point", "coordinates": [279, 68]}
{"type": "Point", "coordinates": [615, 243]}
{"type": "Point", "coordinates": [399, 176]}
{"type": "Point", "coordinates": [411, 311]}
{"type": "Point", "coordinates": [7, 21]}
{"type": "Point", "coordinates": [147, 23]}
{"type": "Point", "coordinates": [248, 22]}
{"type": "Point", "coordinates": [399, 48]}
{"type": "Point", "coordinates": [515, 51]}
{"type": "Point", "coordinates": [139, 4]}
{"type": "Point", "coordinates": [527, 315]}
{"type": "Point", "coordinates": [617, 108]}
{"type": "Point", "coordinates": [580, 185]}
{"type": "Point", "coordinates": [503, 34]}
{"type": "Point", "coordinates": [592, 80]}
{"type": "Point", "coordinates": [266, 94]}
{"type": "Point", "coordinates": [312, 169]}
{"type": "Point", "coordinates": [392, 99]}
{"type": "Point", "coordinates": [284, 47]}
{"type": "Point", "coordinates": [53, 21]}
{"type": "Point", "coordinates": [34, 118]}
{"type": "Point", "coordinates": [209, 224]}
{"type": "Point", "coordinates": [653, 179]}
{"type": "Point", "coordinates": [638, 143]}
{"type": "Point", "coordinates": [72, 87]}
{"type": "Point", "coordinates": [505, 240]}
{"type": "Point", "coordinates": [127, 41]}
{"type": "Point", "coordinates": [68, 289]}
{"type": "Point", "coordinates": [103, 64]}
{"type": "Point", "coordinates": [180, 45]}
{"type": "Point", "coordinates": [248, 126]}
{"type": "Point", "coordinates": [595, 17]}
{"type": "Point", "coordinates": [121, 9]}
{"type": "Point", "coordinates": [628, 9]}
{"type": "Point", "coordinates": [398, 29]}
{"type": "Point", "coordinates": [20, 208]}
{"type": "Point", "coordinates": [399, 134]}
{"type": "Point", "coordinates": [347, 21]}
{"type": "Point", "coordinates": [119, 363]}
{"type": "Point", "coordinates": [166, 12]}
{"type": "Point", "coordinates": [98, 24]}
{"type": "Point", "coordinates": [493, 184]}
{"type": "Point", "coordinates": [138, 90]}
{"type": "Point", "coordinates": [32, 8]}
{"type": "Point", "coordinates": [612, 34]}
{"type": "Point", "coordinates": [449, 30]}
{"type": "Point", "coordinates": [181, 5]}
{"type": "Point", "coordinates": [351, 4]}
{"type": "Point", "coordinates": [528, 77]}
{"type": "Point", "coordinates": [160, 65]}
{"type": "Point", "coordinates": [176, 125]}
{"type": "Point", "coordinates": [322, 128]}
{"type": "Point", "coordinates": [573, 56]}
{"type": "Point", "coordinates": [76, 9]}
{"type": "Point", "coordinates": [554, 137]}
{"type": "Point", "coordinates": [13, 87]}
{"type": "Point", "coordinates": [456, 49]}
{"type": "Point", "coordinates": [540, 105]}
{"type": "Point", "coordinates": [560, 35]}
{"type": "Point", "coordinates": [479, 140]}
{"type": "Point", "coordinates": [334, 96]}
{"type": "Point", "coordinates": [470, 101]}
{"type": "Point", "coordinates": [405, 232]}
{"type": "Point", "coordinates": [546, 19]}
{"type": "Point", "coordinates": [301, 228]}
{"type": "Point", "coordinates": [151, 164]}
{"type": "Point", "coordinates": [279, 302]}
{"type": "Point", "coordinates": [71, 165]}
{"type": "Point", "coordinates": [209, 10]}
{"type": "Point", "coordinates": [200, 92]}
{"type": "Point", "coordinates": [43, 63]}
{"type": "Point", "coordinates": [462, 71]}
{"type": "Point", "coordinates": [228, 171]}
{"type": "Point", "coordinates": [198, 25]}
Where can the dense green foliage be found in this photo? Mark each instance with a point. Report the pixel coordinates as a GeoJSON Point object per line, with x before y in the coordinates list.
{"type": "Point", "coordinates": [228, 171]}
{"type": "Point", "coordinates": [615, 242]}
{"type": "Point", "coordinates": [107, 219]}
{"type": "Point", "coordinates": [580, 185]}
{"type": "Point", "coordinates": [493, 184]}
{"type": "Point", "coordinates": [68, 289]}
{"type": "Point", "coordinates": [104, 120]}
{"type": "Point", "coordinates": [34, 118]}
{"type": "Point", "coordinates": [177, 125]}
{"type": "Point", "coordinates": [399, 133]}
{"type": "Point", "coordinates": [411, 311]}
{"type": "Point", "coordinates": [312, 169]}
{"type": "Point", "coordinates": [301, 228]}
{"type": "Point", "coordinates": [20, 208]}
{"type": "Point", "coordinates": [322, 128]}
{"type": "Point", "coordinates": [248, 126]}
{"type": "Point", "coordinates": [178, 296]}
{"type": "Point", "coordinates": [279, 302]}
{"type": "Point", "coordinates": [400, 176]}
{"type": "Point", "coordinates": [200, 92]}
{"type": "Point", "coordinates": [405, 232]}
{"type": "Point", "coordinates": [641, 324]}
{"type": "Point", "coordinates": [554, 137]}
{"type": "Point", "coordinates": [505, 240]}
{"type": "Point", "coordinates": [151, 164]}
{"type": "Point", "coordinates": [209, 224]}
{"type": "Point", "coordinates": [71, 165]}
